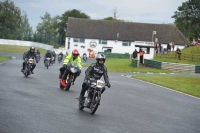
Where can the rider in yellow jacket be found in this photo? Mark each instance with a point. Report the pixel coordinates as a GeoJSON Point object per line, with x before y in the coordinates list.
{"type": "Point", "coordinates": [74, 57]}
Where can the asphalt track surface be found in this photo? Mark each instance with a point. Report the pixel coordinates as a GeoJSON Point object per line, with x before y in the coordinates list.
{"type": "Point", "coordinates": [37, 105]}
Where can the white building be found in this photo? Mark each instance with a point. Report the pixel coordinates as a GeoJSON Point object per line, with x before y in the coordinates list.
{"type": "Point", "coordinates": [119, 37]}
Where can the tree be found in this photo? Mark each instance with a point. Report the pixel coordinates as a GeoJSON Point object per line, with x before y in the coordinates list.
{"type": "Point", "coordinates": [26, 31]}
{"type": "Point", "coordinates": [187, 19]}
{"type": "Point", "coordinates": [48, 29]}
{"type": "Point", "coordinates": [14, 24]}
{"type": "Point", "coordinates": [64, 19]}
{"type": "Point", "coordinates": [109, 18]}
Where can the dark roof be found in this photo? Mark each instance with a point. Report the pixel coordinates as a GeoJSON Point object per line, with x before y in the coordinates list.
{"type": "Point", "coordinates": [128, 31]}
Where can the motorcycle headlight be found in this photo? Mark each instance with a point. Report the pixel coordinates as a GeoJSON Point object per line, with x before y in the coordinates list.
{"type": "Point", "coordinates": [73, 70]}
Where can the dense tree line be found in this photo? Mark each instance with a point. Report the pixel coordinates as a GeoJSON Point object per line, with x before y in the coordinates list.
{"type": "Point", "coordinates": [13, 22]}
{"type": "Point", "coordinates": [187, 19]}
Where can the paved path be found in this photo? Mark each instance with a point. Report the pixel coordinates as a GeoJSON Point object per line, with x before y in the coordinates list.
{"type": "Point", "coordinates": [37, 105]}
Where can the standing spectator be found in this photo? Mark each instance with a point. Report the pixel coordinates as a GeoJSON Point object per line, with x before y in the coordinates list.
{"type": "Point", "coordinates": [173, 46]}
{"type": "Point", "coordinates": [134, 55]}
{"type": "Point", "coordinates": [168, 47]}
{"type": "Point", "coordinates": [156, 48]}
{"type": "Point", "coordinates": [160, 47]}
{"type": "Point", "coordinates": [196, 43]}
{"type": "Point", "coordinates": [178, 51]}
{"type": "Point", "coordinates": [141, 56]}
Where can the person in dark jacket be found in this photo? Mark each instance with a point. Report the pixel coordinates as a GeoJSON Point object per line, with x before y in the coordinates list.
{"type": "Point", "coordinates": [95, 71]}
{"type": "Point", "coordinates": [135, 53]}
{"type": "Point", "coordinates": [30, 54]}
{"type": "Point", "coordinates": [47, 55]}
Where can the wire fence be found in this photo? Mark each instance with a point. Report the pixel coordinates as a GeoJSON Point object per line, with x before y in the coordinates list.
{"type": "Point", "coordinates": [181, 56]}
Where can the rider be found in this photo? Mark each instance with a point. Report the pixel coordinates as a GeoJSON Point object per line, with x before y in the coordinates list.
{"type": "Point", "coordinates": [54, 55]}
{"type": "Point", "coordinates": [29, 54]}
{"type": "Point", "coordinates": [64, 72]}
{"type": "Point", "coordinates": [95, 71]}
{"type": "Point", "coordinates": [85, 55]}
{"type": "Point", "coordinates": [38, 53]}
{"type": "Point", "coordinates": [61, 54]}
{"type": "Point", "coordinates": [47, 55]}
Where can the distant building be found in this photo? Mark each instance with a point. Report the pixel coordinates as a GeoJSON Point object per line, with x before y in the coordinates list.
{"type": "Point", "coordinates": [119, 37]}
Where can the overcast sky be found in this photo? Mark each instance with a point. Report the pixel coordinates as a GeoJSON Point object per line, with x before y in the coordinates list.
{"type": "Point", "coordinates": [145, 11]}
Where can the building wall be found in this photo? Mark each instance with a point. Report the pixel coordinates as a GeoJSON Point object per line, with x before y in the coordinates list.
{"type": "Point", "coordinates": [116, 47]}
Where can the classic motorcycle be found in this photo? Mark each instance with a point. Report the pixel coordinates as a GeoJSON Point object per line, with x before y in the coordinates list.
{"type": "Point", "coordinates": [72, 69]}
{"type": "Point", "coordinates": [59, 58]}
{"type": "Point", "coordinates": [37, 58]}
{"type": "Point", "coordinates": [52, 60]}
{"type": "Point", "coordinates": [93, 96]}
{"type": "Point", "coordinates": [85, 58]}
{"type": "Point", "coordinates": [47, 62]}
{"type": "Point", "coordinates": [28, 66]}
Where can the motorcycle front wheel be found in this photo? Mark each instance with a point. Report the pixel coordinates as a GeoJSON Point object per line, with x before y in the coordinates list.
{"type": "Point", "coordinates": [69, 82]}
{"type": "Point", "coordinates": [80, 105]}
{"type": "Point", "coordinates": [95, 102]}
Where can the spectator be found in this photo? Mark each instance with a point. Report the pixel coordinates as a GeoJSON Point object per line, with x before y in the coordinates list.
{"type": "Point", "coordinates": [168, 47]}
{"type": "Point", "coordinates": [141, 56]}
{"type": "Point", "coordinates": [196, 43]}
{"type": "Point", "coordinates": [178, 51]}
{"type": "Point", "coordinates": [134, 55]}
{"type": "Point", "coordinates": [156, 48]}
{"type": "Point", "coordinates": [173, 46]}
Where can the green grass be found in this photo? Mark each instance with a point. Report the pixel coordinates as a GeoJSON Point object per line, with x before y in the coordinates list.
{"type": "Point", "coordinates": [4, 58]}
{"type": "Point", "coordinates": [192, 50]}
{"type": "Point", "coordinates": [175, 60]}
{"type": "Point", "coordinates": [18, 49]}
{"type": "Point", "coordinates": [188, 85]}
{"type": "Point", "coordinates": [124, 65]}
{"type": "Point", "coordinates": [186, 54]}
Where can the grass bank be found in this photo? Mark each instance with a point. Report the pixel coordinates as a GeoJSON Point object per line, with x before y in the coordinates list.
{"type": "Point", "coordinates": [124, 65]}
{"type": "Point", "coordinates": [4, 58]}
{"type": "Point", "coordinates": [188, 85]}
{"type": "Point", "coordinates": [18, 49]}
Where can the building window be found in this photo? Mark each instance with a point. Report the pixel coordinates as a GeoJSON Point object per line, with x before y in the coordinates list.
{"type": "Point", "coordinates": [103, 42]}
{"type": "Point", "coordinates": [79, 40]}
{"type": "Point", "coordinates": [126, 43]}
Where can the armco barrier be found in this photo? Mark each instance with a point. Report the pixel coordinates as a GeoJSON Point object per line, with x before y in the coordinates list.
{"type": "Point", "coordinates": [197, 69]}
{"type": "Point", "coordinates": [176, 67]}
{"type": "Point", "coordinates": [115, 55]}
{"type": "Point", "coordinates": [29, 43]}
{"type": "Point", "coordinates": [153, 63]}
{"type": "Point", "coordinates": [134, 63]}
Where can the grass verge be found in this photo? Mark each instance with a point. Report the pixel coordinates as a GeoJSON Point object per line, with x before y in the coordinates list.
{"type": "Point", "coordinates": [188, 85]}
{"type": "Point", "coordinates": [124, 65]}
{"type": "Point", "coordinates": [18, 49]}
{"type": "Point", "coordinates": [4, 58]}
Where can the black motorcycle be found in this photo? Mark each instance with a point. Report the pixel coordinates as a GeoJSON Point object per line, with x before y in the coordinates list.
{"type": "Point", "coordinates": [85, 58]}
{"type": "Point", "coordinates": [59, 58]}
{"type": "Point", "coordinates": [92, 100]}
{"type": "Point", "coordinates": [72, 69]}
{"type": "Point", "coordinates": [37, 58]}
{"type": "Point", "coordinates": [28, 67]}
{"type": "Point", "coordinates": [47, 62]}
{"type": "Point", "coordinates": [52, 60]}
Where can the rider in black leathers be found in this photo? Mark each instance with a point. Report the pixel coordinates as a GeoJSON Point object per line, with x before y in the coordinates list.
{"type": "Point", "coordinates": [29, 54]}
{"type": "Point", "coordinates": [61, 54]}
{"type": "Point", "coordinates": [47, 55]}
{"type": "Point", "coordinates": [38, 52]}
{"type": "Point", "coordinates": [95, 71]}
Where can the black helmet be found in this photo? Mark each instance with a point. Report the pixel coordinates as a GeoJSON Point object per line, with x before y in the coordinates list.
{"type": "Point", "coordinates": [100, 57]}
{"type": "Point", "coordinates": [32, 49]}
